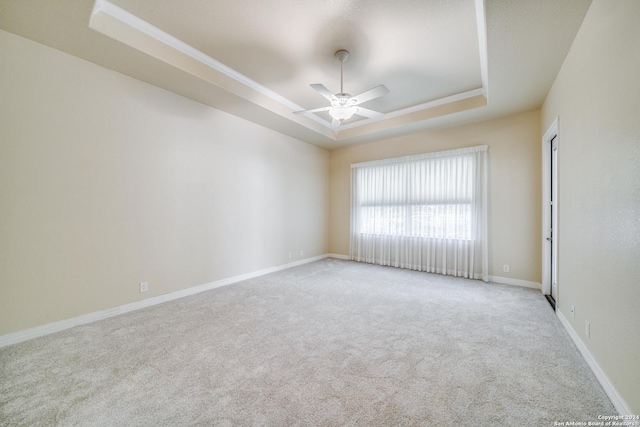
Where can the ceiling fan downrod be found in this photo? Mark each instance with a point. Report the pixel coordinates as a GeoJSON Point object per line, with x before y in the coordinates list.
{"type": "Point", "coordinates": [341, 55]}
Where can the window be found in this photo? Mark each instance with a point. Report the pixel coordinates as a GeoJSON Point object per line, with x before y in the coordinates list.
{"type": "Point", "coordinates": [450, 221]}
{"type": "Point", "coordinates": [425, 212]}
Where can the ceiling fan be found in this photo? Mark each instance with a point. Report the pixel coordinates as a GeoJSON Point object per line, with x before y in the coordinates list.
{"type": "Point", "coordinates": [343, 105]}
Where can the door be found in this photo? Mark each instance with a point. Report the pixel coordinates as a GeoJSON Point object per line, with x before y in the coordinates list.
{"type": "Point", "coordinates": [550, 223]}
{"type": "Point", "coordinates": [554, 218]}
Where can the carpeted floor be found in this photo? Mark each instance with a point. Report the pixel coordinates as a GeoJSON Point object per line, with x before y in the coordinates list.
{"type": "Point", "coordinates": [331, 343]}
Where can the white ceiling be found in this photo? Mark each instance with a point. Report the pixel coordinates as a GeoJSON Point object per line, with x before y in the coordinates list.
{"type": "Point", "coordinates": [446, 62]}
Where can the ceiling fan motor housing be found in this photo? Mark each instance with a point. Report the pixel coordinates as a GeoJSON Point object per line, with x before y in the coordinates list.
{"type": "Point", "coordinates": [343, 100]}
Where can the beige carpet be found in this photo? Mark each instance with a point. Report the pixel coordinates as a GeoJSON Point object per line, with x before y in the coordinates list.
{"type": "Point", "coordinates": [330, 343]}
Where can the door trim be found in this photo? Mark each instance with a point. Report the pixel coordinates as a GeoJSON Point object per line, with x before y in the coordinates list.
{"type": "Point", "coordinates": [551, 132]}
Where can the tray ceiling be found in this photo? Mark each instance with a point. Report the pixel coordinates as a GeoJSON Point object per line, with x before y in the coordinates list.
{"type": "Point", "coordinates": [445, 62]}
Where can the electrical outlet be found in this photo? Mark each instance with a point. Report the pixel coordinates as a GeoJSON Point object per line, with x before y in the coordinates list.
{"type": "Point", "coordinates": [144, 286]}
{"type": "Point", "coordinates": [573, 311]}
{"type": "Point", "coordinates": [289, 255]}
{"type": "Point", "coordinates": [587, 328]}
{"type": "Point", "coordinates": [505, 268]}
{"type": "Point", "coordinates": [301, 252]}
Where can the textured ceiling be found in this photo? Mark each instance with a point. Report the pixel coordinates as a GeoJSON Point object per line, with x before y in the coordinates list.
{"type": "Point", "coordinates": [256, 59]}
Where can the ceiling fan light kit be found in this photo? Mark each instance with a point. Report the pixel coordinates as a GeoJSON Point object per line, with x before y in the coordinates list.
{"type": "Point", "coordinates": [343, 105]}
{"type": "Point", "coordinates": [342, 113]}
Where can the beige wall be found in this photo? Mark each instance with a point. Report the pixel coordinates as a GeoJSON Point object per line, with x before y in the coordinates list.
{"type": "Point", "coordinates": [596, 97]}
{"type": "Point", "coordinates": [514, 191]}
{"type": "Point", "coordinates": [106, 181]}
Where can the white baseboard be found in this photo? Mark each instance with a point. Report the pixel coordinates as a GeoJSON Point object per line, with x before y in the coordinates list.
{"type": "Point", "coordinates": [50, 328]}
{"type": "Point", "coordinates": [515, 282]}
{"type": "Point", "coordinates": [495, 279]}
{"type": "Point", "coordinates": [339, 256]}
{"type": "Point", "coordinates": [617, 400]}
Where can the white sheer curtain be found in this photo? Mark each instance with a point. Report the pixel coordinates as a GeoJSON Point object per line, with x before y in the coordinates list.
{"type": "Point", "coordinates": [425, 212]}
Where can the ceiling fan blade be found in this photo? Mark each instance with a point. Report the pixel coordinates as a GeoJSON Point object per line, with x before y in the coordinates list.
{"type": "Point", "coordinates": [370, 94]}
{"type": "Point", "coordinates": [368, 113]}
{"type": "Point", "coordinates": [324, 91]}
{"type": "Point", "coordinates": [315, 110]}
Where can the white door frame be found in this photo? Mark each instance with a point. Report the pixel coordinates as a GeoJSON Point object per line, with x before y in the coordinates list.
{"type": "Point", "coordinates": [546, 208]}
